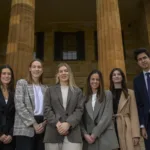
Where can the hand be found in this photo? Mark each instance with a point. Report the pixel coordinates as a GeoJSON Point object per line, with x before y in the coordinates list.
{"type": "Point", "coordinates": [44, 123]}
{"type": "Point", "coordinates": [63, 128]}
{"type": "Point", "coordinates": [93, 137]}
{"type": "Point", "coordinates": [8, 139]}
{"type": "Point", "coordinates": [38, 128]}
{"type": "Point", "coordinates": [88, 138]}
{"type": "Point", "coordinates": [58, 124]}
{"type": "Point", "coordinates": [2, 137]}
{"type": "Point", "coordinates": [144, 133]}
{"type": "Point", "coordinates": [136, 141]}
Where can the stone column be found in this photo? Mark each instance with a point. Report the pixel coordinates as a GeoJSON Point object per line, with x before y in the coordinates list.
{"type": "Point", "coordinates": [147, 16]}
{"type": "Point", "coordinates": [110, 48]}
{"type": "Point", "coordinates": [21, 36]}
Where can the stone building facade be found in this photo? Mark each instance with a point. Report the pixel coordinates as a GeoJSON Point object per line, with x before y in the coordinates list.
{"type": "Point", "coordinates": [86, 34]}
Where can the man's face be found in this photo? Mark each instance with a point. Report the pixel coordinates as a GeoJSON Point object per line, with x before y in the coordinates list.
{"type": "Point", "coordinates": [143, 61]}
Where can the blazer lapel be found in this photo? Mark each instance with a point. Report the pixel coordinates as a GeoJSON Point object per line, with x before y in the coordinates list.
{"type": "Point", "coordinates": [143, 85]}
{"type": "Point", "coordinates": [70, 94]}
{"type": "Point", "coordinates": [89, 109]}
{"type": "Point", "coordinates": [31, 94]}
{"type": "Point", "coordinates": [58, 92]}
{"type": "Point", "coordinates": [122, 102]}
{"type": "Point", "coordinates": [43, 88]}
{"type": "Point", "coordinates": [96, 109]}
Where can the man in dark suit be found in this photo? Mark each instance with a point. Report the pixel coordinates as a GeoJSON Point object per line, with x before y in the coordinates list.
{"type": "Point", "coordinates": [142, 93]}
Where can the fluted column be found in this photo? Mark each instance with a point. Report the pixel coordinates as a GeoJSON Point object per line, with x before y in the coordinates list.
{"type": "Point", "coordinates": [147, 16]}
{"type": "Point", "coordinates": [21, 36]}
{"type": "Point", "coordinates": [110, 48]}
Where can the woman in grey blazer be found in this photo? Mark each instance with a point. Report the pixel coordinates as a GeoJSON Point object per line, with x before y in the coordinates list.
{"type": "Point", "coordinates": [97, 125]}
{"type": "Point", "coordinates": [29, 124]}
{"type": "Point", "coordinates": [63, 109]}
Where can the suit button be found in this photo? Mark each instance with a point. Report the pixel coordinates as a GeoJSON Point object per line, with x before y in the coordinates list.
{"type": "Point", "coordinates": [66, 114]}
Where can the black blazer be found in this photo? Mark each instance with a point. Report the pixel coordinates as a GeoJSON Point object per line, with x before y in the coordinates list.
{"type": "Point", "coordinates": [7, 113]}
{"type": "Point", "coordinates": [142, 98]}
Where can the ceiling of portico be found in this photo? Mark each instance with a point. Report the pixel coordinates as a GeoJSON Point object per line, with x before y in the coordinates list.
{"type": "Point", "coordinates": [62, 11]}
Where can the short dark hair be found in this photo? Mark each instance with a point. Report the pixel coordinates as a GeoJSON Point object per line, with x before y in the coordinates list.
{"type": "Point", "coordinates": [139, 51]}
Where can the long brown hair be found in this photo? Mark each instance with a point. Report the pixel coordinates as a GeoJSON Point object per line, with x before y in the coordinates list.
{"type": "Point", "coordinates": [10, 86]}
{"type": "Point", "coordinates": [123, 83]}
{"type": "Point", "coordinates": [29, 76]}
{"type": "Point", "coordinates": [100, 90]}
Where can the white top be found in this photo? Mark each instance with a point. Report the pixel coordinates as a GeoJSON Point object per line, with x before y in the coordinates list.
{"type": "Point", "coordinates": [6, 101]}
{"type": "Point", "coordinates": [64, 91]}
{"type": "Point", "coordinates": [145, 77]}
{"type": "Point", "coordinates": [93, 100]}
{"type": "Point", "coordinates": [38, 100]}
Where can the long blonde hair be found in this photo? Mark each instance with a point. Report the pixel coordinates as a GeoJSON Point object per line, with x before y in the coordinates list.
{"type": "Point", "coordinates": [71, 81]}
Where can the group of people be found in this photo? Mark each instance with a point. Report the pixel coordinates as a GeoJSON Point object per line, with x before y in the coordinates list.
{"type": "Point", "coordinates": [34, 116]}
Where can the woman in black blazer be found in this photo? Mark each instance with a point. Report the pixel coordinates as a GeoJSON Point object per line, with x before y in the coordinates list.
{"type": "Point", "coordinates": [7, 109]}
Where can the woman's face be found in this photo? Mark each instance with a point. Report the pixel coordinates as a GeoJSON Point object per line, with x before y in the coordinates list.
{"type": "Point", "coordinates": [5, 76]}
{"type": "Point", "coordinates": [116, 77]}
{"type": "Point", "coordinates": [63, 74]}
{"type": "Point", "coordinates": [94, 81]}
{"type": "Point", "coordinates": [36, 69]}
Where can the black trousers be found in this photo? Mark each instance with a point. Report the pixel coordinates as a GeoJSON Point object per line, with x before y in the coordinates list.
{"type": "Point", "coordinates": [10, 146]}
{"type": "Point", "coordinates": [31, 143]}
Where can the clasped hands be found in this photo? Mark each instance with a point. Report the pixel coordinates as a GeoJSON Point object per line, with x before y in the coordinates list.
{"type": "Point", "coordinates": [39, 128]}
{"type": "Point", "coordinates": [63, 127]}
{"type": "Point", "coordinates": [6, 139]}
{"type": "Point", "coordinates": [90, 138]}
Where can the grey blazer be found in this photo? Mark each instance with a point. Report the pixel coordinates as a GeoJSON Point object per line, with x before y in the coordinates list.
{"type": "Point", "coordinates": [99, 122]}
{"type": "Point", "coordinates": [54, 112]}
{"type": "Point", "coordinates": [24, 104]}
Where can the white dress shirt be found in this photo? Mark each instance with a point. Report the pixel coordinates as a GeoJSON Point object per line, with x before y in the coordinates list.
{"type": "Point", "coordinates": [145, 78]}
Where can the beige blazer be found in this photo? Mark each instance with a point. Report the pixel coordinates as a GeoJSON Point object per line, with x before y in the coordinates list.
{"type": "Point", "coordinates": [24, 104]}
{"type": "Point", "coordinates": [54, 112]}
{"type": "Point", "coordinates": [99, 122]}
{"type": "Point", "coordinates": [128, 122]}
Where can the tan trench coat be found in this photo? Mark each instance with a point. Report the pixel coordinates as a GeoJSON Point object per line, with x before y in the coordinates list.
{"type": "Point", "coordinates": [127, 122]}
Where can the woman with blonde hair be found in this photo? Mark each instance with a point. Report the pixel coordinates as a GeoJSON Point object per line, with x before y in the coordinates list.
{"type": "Point", "coordinates": [63, 109]}
{"type": "Point", "coordinates": [29, 98]}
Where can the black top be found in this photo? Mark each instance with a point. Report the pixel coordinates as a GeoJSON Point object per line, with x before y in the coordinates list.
{"type": "Point", "coordinates": [7, 113]}
{"type": "Point", "coordinates": [116, 99]}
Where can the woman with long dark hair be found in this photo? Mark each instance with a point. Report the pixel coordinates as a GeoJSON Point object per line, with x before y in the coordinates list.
{"type": "Point", "coordinates": [29, 98]}
{"type": "Point", "coordinates": [7, 108]}
{"type": "Point", "coordinates": [97, 124]}
{"type": "Point", "coordinates": [125, 112]}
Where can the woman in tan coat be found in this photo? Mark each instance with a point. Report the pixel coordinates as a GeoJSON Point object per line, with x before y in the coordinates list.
{"type": "Point", "coordinates": [125, 112]}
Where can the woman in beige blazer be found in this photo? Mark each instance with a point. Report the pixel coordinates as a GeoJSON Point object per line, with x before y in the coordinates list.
{"type": "Point", "coordinates": [63, 109]}
{"type": "Point", "coordinates": [125, 112]}
{"type": "Point", "coordinates": [29, 98]}
{"type": "Point", "coordinates": [97, 125]}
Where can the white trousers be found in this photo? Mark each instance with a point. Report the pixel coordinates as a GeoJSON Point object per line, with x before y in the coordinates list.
{"type": "Point", "coordinates": [66, 145]}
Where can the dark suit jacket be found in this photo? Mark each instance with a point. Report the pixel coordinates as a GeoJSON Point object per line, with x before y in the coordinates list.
{"type": "Point", "coordinates": [142, 98]}
{"type": "Point", "coordinates": [7, 113]}
{"type": "Point", "coordinates": [54, 112]}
